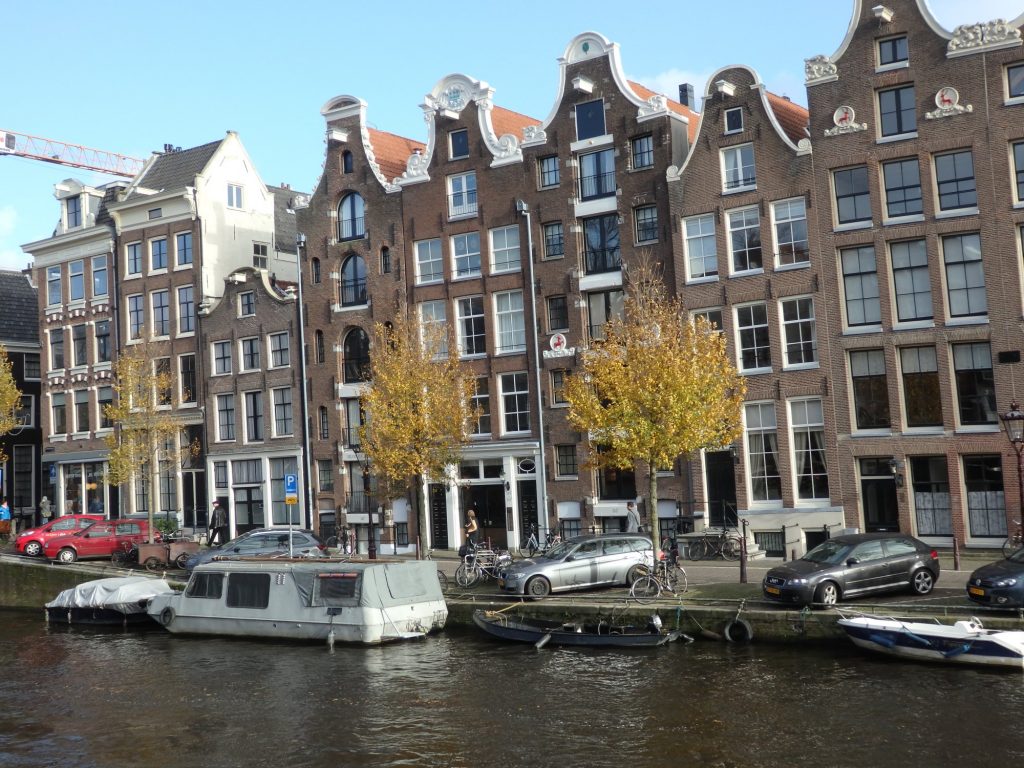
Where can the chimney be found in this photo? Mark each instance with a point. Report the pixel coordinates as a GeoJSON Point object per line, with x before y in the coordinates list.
{"type": "Point", "coordinates": [686, 95]}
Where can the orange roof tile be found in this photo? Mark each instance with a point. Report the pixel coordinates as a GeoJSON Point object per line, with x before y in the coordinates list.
{"type": "Point", "coordinates": [392, 151]}
{"type": "Point", "coordinates": [792, 117]}
{"type": "Point", "coordinates": [507, 121]}
{"type": "Point", "coordinates": [680, 109]}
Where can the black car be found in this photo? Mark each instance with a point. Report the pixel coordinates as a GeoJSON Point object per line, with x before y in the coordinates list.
{"type": "Point", "coordinates": [999, 584]}
{"type": "Point", "coordinates": [857, 564]}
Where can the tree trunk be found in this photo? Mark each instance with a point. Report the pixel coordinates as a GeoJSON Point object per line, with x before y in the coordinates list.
{"type": "Point", "coordinates": [154, 483]}
{"type": "Point", "coordinates": [419, 485]}
{"type": "Point", "coordinates": [652, 495]}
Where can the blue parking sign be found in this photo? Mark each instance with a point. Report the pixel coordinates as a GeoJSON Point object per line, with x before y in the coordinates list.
{"type": "Point", "coordinates": [291, 485]}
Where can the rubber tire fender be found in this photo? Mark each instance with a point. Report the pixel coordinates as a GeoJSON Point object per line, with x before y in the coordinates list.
{"type": "Point", "coordinates": [166, 616]}
{"type": "Point", "coordinates": [738, 631]}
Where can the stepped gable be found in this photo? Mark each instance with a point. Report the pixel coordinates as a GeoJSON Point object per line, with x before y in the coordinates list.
{"type": "Point", "coordinates": [392, 151]}
{"type": "Point", "coordinates": [19, 309]}
{"type": "Point", "coordinates": [173, 170]}
{"type": "Point", "coordinates": [793, 118]}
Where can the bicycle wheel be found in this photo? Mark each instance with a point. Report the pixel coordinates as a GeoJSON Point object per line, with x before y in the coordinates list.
{"type": "Point", "coordinates": [645, 589]}
{"type": "Point", "coordinates": [697, 550]}
{"type": "Point", "coordinates": [442, 580]}
{"type": "Point", "coordinates": [678, 577]}
{"type": "Point", "coordinates": [731, 549]}
{"type": "Point", "coordinates": [466, 575]}
{"type": "Point", "coordinates": [1012, 544]}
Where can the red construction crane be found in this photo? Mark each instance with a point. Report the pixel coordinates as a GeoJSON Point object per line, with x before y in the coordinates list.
{"type": "Point", "coordinates": [74, 155]}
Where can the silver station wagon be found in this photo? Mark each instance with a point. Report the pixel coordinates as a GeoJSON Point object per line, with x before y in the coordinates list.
{"type": "Point", "coordinates": [579, 563]}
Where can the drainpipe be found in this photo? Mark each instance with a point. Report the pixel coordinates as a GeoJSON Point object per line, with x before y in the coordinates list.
{"type": "Point", "coordinates": [300, 244]}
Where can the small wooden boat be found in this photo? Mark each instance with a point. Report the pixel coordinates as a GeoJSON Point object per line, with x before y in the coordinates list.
{"type": "Point", "coordinates": [965, 642]}
{"type": "Point", "coordinates": [113, 601]}
{"type": "Point", "coordinates": [595, 634]}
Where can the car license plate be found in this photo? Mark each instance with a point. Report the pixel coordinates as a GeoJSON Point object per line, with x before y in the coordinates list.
{"type": "Point", "coordinates": [976, 591]}
{"type": "Point", "coordinates": [773, 590]}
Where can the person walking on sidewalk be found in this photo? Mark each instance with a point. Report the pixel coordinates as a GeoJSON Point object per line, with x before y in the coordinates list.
{"type": "Point", "coordinates": [218, 524]}
{"type": "Point", "coordinates": [632, 518]}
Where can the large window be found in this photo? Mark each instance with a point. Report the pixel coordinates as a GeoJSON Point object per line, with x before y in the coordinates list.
{"type": "Point", "coordinates": [954, 180]}
{"type": "Point", "coordinates": [791, 232]}
{"type": "Point", "coordinates": [187, 378]}
{"type": "Point", "coordinates": [597, 174]}
{"type": "Point", "coordinates": [53, 286]}
{"type": "Point", "coordinates": [755, 349]}
{"type": "Point", "coordinates": [471, 326]}
{"type": "Point", "coordinates": [57, 348]}
{"type": "Point", "coordinates": [133, 259]}
{"type": "Point", "coordinates": [763, 452]}
{"type": "Point", "coordinates": [965, 275]}
{"type": "Point", "coordinates": [253, 416]}
{"type": "Point", "coordinates": [462, 195]}
{"type": "Point", "coordinates": [554, 240]}
{"type": "Point", "coordinates": [508, 307]}
{"type": "Point", "coordinates": [911, 281]}
{"type": "Point", "coordinates": [701, 252]}
{"type": "Point", "coordinates": [515, 402]}
{"type": "Point", "coordinates": [547, 169]}
{"type": "Point", "coordinates": [280, 350]}
{"type": "Point", "coordinates": [158, 254]}
{"type": "Point", "coordinates": [986, 503]}
{"type": "Point", "coordinates": [325, 475]}
{"type": "Point", "coordinates": [102, 341]}
{"type": "Point", "coordinates": [646, 217]}
{"type": "Point", "coordinates": [902, 179]}
{"type": "Point", "coordinates": [99, 276]}
{"type": "Point", "coordinates": [466, 254]}
{"type": "Point", "coordinates": [481, 403]}
{"type": "Point", "coordinates": [250, 354]}
{"type": "Point", "coordinates": [975, 383]}
{"type": "Point", "coordinates": [58, 413]}
{"type": "Point", "coordinates": [1018, 170]}
{"type": "Point", "coordinates": [79, 346]}
{"type": "Point", "coordinates": [428, 261]}
{"type": "Point", "coordinates": [353, 281]}
{"type": "Point", "coordinates": [324, 423]}
{"type": "Point", "coordinates": [566, 464]}
{"type": "Point", "coordinates": [356, 350]}
{"type": "Point", "coordinates": [225, 417]}
{"type": "Point", "coordinates": [76, 280]}
{"type": "Point", "coordinates": [282, 412]}
{"type": "Point", "coordinates": [434, 318]}
{"type": "Point", "coordinates": [602, 306]}
{"type": "Point", "coordinates": [505, 249]}
{"type": "Point", "coordinates": [642, 149]}
{"type": "Point", "coordinates": [558, 313]}
{"type": "Point", "coordinates": [221, 357]}
{"type": "Point", "coordinates": [319, 347]}
{"type": "Point", "coordinates": [853, 201]}
{"type": "Point", "coordinates": [105, 399]}
{"type": "Point", "coordinates": [738, 168]}
{"type": "Point", "coordinates": [808, 424]}
{"type": "Point", "coordinates": [136, 316]}
{"type": "Point", "coordinates": [161, 313]}
{"type": "Point", "coordinates": [930, 477]}
{"type": "Point", "coordinates": [590, 119]}
{"type": "Point", "coordinates": [246, 304]}
{"type": "Point", "coordinates": [351, 219]}
{"type": "Point", "coordinates": [745, 239]}
{"type": "Point", "coordinates": [186, 309]}
{"type": "Point", "coordinates": [183, 248]}
{"type": "Point", "coordinates": [870, 389]}
{"type": "Point", "coordinates": [601, 244]}
{"type": "Point", "coordinates": [799, 331]}
{"type": "Point", "coordinates": [921, 396]}
{"type": "Point", "coordinates": [892, 50]}
{"type": "Point", "coordinates": [82, 410]}
{"type": "Point", "coordinates": [860, 285]}
{"type": "Point", "coordinates": [896, 111]}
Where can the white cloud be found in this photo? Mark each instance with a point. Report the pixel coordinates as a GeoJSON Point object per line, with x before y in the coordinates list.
{"type": "Point", "coordinates": [667, 82]}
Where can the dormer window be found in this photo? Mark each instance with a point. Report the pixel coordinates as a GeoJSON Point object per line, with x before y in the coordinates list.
{"type": "Point", "coordinates": [590, 119]}
{"type": "Point", "coordinates": [73, 205]}
{"type": "Point", "coordinates": [734, 120]}
{"type": "Point", "coordinates": [458, 144]}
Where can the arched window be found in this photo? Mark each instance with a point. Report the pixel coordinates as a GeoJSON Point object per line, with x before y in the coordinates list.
{"type": "Point", "coordinates": [357, 356]}
{"type": "Point", "coordinates": [320, 354]}
{"type": "Point", "coordinates": [316, 270]}
{"type": "Point", "coordinates": [346, 162]}
{"type": "Point", "coordinates": [351, 224]}
{"type": "Point", "coordinates": [385, 260]}
{"type": "Point", "coordinates": [353, 281]}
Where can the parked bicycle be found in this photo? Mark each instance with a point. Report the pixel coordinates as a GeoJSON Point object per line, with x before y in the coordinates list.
{"type": "Point", "coordinates": [724, 544]}
{"type": "Point", "coordinates": [442, 577]}
{"type": "Point", "coordinates": [1014, 541]}
{"type": "Point", "coordinates": [667, 576]}
{"type": "Point", "coordinates": [480, 563]}
{"type": "Point", "coordinates": [532, 545]}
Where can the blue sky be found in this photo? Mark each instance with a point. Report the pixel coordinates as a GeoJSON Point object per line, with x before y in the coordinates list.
{"type": "Point", "coordinates": [129, 78]}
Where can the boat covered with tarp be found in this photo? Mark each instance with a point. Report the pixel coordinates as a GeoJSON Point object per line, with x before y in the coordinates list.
{"type": "Point", "coordinates": [112, 601]}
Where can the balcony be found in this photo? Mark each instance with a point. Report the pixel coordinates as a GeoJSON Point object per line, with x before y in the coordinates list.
{"type": "Point", "coordinates": [603, 260]}
{"type": "Point", "coordinates": [462, 204]}
{"type": "Point", "coordinates": [353, 292]}
{"type": "Point", "coordinates": [352, 228]}
{"type": "Point", "coordinates": [598, 185]}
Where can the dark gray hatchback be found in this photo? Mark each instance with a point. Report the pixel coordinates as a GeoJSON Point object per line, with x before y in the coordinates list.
{"type": "Point", "coordinates": [857, 564]}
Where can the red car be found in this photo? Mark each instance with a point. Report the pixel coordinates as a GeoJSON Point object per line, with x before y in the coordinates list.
{"type": "Point", "coordinates": [98, 540]}
{"type": "Point", "coordinates": [32, 541]}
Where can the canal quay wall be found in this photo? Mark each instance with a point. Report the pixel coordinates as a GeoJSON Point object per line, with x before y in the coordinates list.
{"type": "Point", "coordinates": [715, 611]}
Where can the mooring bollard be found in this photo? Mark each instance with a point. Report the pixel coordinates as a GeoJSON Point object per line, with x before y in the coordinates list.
{"type": "Point", "coordinates": [743, 553]}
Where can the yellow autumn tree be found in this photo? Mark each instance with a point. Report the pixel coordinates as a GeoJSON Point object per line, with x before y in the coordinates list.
{"type": "Point", "coordinates": [418, 405]}
{"type": "Point", "coordinates": [10, 399]}
{"type": "Point", "coordinates": [657, 387]}
{"type": "Point", "coordinates": [146, 432]}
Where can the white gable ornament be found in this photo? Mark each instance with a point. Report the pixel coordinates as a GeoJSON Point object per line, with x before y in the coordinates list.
{"type": "Point", "coordinates": [559, 347]}
{"type": "Point", "coordinates": [947, 102]}
{"type": "Point", "coordinates": [819, 69]}
{"type": "Point", "coordinates": [845, 121]}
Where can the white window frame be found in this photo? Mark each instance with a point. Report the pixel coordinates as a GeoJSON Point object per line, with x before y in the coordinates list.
{"type": "Point", "coordinates": [153, 269]}
{"type": "Point", "coordinates": [801, 407]}
{"type": "Point", "coordinates": [226, 345]}
{"type": "Point", "coordinates": [431, 249]}
{"type": "Point", "coordinates": [800, 325]}
{"type": "Point", "coordinates": [729, 113]}
{"type": "Point", "coordinates": [76, 274]}
{"type": "Point", "coordinates": [178, 252]}
{"type": "Point", "coordinates": [763, 407]}
{"type": "Point", "coordinates": [136, 249]}
{"type": "Point", "coordinates": [521, 378]}
{"type": "Point", "coordinates": [511, 335]}
{"type": "Point", "coordinates": [221, 438]}
{"type": "Point", "coordinates": [1016, 65]}
{"type": "Point", "coordinates": [968, 270]}
{"type": "Point", "coordinates": [235, 196]}
{"type": "Point", "coordinates": [290, 406]}
{"type": "Point", "coordinates": [637, 227]}
{"type": "Point", "coordinates": [700, 236]}
{"type": "Point", "coordinates": [435, 312]}
{"type": "Point", "coordinates": [99, 267]}
{"type": "Point", "coordinates": [152, 314]}
{"type": "Point", "coordinates": [481, 403]}
{"type": "Point", "coordinates": [501, 245]}
{"type": "Point", "coordinates": [182, 331]}
{"type": "Point", "coordinates": [738, 331]}
{"type": "Point", "coordinates": [734, 164]}
{"type": "Point", "coordinates": [466, 262]}
{"type": "Point", "coordinates": [461, 319]}
{"type": "Point", "coordinates": [285, 350]}
{"type": "Point", "coordinates": [744, 212]}
{"type": "Point", "coordinates": [241, 304]}
{"type": "Point", "coordinates": [253, 343]}
{"type": "Point", "coordinates": [182, 402]}
{"type": "Point", "coordinates": [783, 218]}
{"type": "Point", "coordinates": [141, 310]}
{"type": "Point", "coordinates": [459, 189]}
{"type": "Point", "coordinates": [54, 285]}
{"type": "Point", "coordinates": [262, 416]}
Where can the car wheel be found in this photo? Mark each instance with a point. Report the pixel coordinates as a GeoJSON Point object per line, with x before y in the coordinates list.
{"type": "Point", "coordinates": [827, 593]}
{"type": "Point", "coordinates": [33, 549]}
{"type": "Point", "coordinates": [922, 581]}
{"type": "Point", "coordinates": [538, 586]}
{"type": "Point", "coordinates": [67, 555]}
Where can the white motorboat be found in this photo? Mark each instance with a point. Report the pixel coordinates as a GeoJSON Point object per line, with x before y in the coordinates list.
{"type": "Point", "coordinates": [118, 600]}
{"type": "Point", "coordinates": [338, 601]}
{"type": "Point", "coordinates": [964, 642]}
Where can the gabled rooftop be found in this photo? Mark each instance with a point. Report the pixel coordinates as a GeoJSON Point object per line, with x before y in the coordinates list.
{"type": "Point", "coordinates": [19, 309]}
{"type": "Point", "coordinates": [792, 117]}
{"type": "Point", "coordinates": [680, 109]}
{"type": "Point", "coordinates": [175, 169]}
{"type": "Point", "coordinates": [392, 151]}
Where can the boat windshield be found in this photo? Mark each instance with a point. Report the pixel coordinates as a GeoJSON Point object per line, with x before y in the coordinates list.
{"type": "Point", "coordinates": [830, 552]}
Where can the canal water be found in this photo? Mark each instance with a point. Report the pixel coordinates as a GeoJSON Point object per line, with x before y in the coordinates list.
{"type": "Point", "coordinates": [113, 699]}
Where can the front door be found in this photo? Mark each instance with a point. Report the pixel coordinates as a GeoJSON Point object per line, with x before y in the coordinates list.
{"type": "Point", "coordinates": [248, 509]}
{"type": "Point", "coordinates": [489, 501]}
{"type": "Point", "coordinates": [193, 492]}
{"type": "Point", "coordinates": [438, 516]}
{"type": "Point", "coordinates": [878, 496]}
{"type": "Point", "coordinates": [528, 509]}
{"type": "Point", "coordinates": [720, 481]}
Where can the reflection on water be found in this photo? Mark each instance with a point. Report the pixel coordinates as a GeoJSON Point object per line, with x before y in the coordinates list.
{"type": "Point", "coordinates": [108, 699]}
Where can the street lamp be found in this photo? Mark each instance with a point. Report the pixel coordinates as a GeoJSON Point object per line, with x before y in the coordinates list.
{"type": "Point", "coordinates": [1013, 420]}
